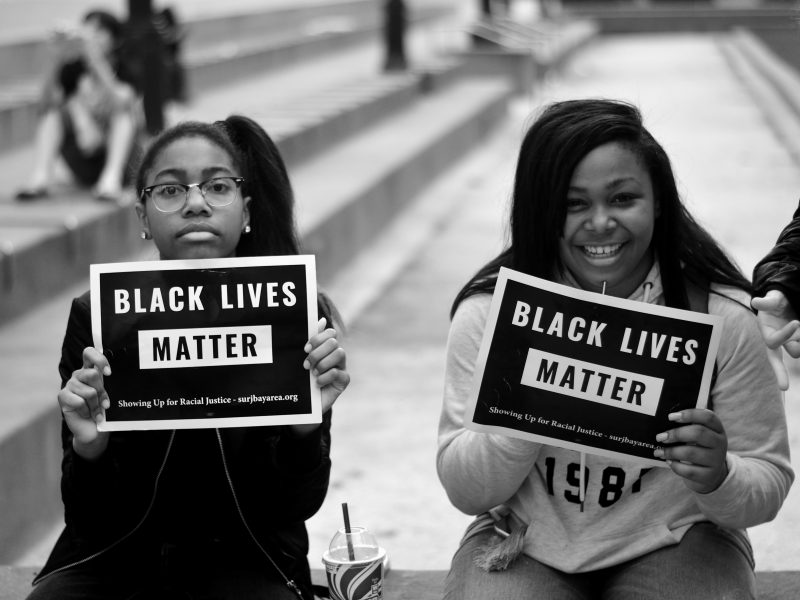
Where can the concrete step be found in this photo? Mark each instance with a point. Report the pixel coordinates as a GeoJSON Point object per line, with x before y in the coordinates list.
{"type": "Point", "coordinates": [684, 16]}
{"type": "Point", "coordinates": [214, 65]}
{"type": "Point", "coordinates": [222, 50]}
{"type": "Point", "coordinates": [393, 160]}
{"type": "Point", "coordinates": [25, 56]}
{"type": "Point", "coordinates": [344, 198]}
{"type": "Point", "coordinates": [526, 51]}
{"type": "Point", "coordinates": [15, 583]}
{"type": "Point", "coordinates": [46, 245]}
{"type": "Point", "coordinates": [773, 82]}
{"type": "Point", "coordinates": [311, 125]}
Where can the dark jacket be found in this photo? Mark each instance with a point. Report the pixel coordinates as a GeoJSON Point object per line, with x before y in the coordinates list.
{"type": "Point", "coordinates": [175, 487]}
{"type": "Point", "coordinates": [780, 269]}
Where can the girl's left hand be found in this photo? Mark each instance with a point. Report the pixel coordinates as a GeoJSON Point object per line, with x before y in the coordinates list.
{"type": "Point", "coordinates": [327, 361]}
{"type": "Point", "coordinates": [698, 451]}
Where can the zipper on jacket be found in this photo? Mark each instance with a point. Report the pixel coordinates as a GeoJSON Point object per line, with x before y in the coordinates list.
{"type": "Point", "coordinates": [127, 535]}
{"type": "Point", "coordinates": [289, 582]}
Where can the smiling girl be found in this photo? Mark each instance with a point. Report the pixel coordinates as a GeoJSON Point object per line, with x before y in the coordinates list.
{"type": "Point", "coordinates": [193, 513]}
{"type": "Point", "coordinates": [595, 206]}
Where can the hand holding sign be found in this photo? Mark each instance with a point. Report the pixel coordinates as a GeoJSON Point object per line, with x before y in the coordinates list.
{"type": "Point", "coordinates": [698, 451]}
{"type": "Point", "coordinates": [588, 372]}
{"type": "Point", "coordinates": [83, 401]}
{"type": "Point", "coordinates": [327, 361]}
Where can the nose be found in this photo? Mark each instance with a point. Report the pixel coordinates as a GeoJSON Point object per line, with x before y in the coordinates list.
{"type": "Point", "coordinates": [601, 220]}
{"type": "Point", "coordinates": [195, 201]}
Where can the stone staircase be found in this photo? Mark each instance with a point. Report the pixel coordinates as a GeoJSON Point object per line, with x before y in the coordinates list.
{"type": "Point", "coordinates": [217, 51]}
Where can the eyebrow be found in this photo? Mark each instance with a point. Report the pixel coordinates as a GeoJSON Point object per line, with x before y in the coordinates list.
{"type": "Point", "coordinates": [610, 185]}
{"type": "Point", "coordinates": [181, 173]}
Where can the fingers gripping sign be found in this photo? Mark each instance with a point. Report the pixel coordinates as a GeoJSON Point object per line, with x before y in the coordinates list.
{"type": "Point", "coordinates": [697, 449]}
{"type": "Point", "coordinates": [83, 401]}
{"type": "Point", "coordinates": [327, 361]}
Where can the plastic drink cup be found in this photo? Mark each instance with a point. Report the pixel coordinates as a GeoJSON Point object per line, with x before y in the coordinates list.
{"type": "Point", "coordinates": [354, 566]}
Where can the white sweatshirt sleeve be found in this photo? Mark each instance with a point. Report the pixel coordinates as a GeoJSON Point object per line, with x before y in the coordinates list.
{"type": "Point", "coordinates": [478, 470]}
{"type": "Point", "coordinates": [749, 403]}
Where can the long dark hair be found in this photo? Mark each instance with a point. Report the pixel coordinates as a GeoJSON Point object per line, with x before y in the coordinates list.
{"type": "Point", "coordinates": [272, 222]}
{"type": "Point", "coordinates": [554, 145]}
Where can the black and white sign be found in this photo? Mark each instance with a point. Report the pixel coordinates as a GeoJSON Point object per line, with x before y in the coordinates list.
{"type": "Point", "coordinates": [207, 343]}
{"type": "Point", "coordinates": [593, 373]}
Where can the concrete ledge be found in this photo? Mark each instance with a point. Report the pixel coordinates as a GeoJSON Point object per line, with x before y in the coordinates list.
{"type": "Point", "coordinates": [48, 246]}
{"type": "Point", "coordinates": [308, 127]}
{"type": "Point", "coordinates": [226, 58]}
{"type": "Point", "coordinates": [680, 16]}
{"type": "Point", "coordinates": [526, 52]}
{"type": "Point", "coordinates": [416, 585]}
{"type": "Point", "coordinates": [22, 58]}
{"type": "Point", "coordinates": [231, 60]}
{"type": "Point", "coordinates": [355, 211]}
{"type": "Point", "coordinates": [519, 65]}
{"type": "Point", "coordinates": [772, 81]}
{"type": "Point", "coordinates": [311, 18]}
{"type": "Point", "coordinates": [783, 77]}
{"type": "Point", "coordinates": [27, 506]}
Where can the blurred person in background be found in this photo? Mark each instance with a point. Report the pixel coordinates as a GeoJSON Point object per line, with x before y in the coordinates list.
{"type": "Point", "coordinates": [90, 111]}
{"type": "Point", "coordinates": [172, 35]}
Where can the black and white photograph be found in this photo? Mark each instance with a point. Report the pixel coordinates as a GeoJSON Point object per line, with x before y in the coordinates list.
{"type": "Point", "coordinates": [399, 299]}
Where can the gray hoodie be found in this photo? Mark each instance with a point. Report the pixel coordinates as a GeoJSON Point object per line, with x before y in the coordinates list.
{"type": "Point", "coordinates": [629, 510]}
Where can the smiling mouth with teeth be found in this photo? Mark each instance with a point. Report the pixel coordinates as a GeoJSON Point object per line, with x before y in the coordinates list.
{"type": "Point", "coordinates": [601, 251]}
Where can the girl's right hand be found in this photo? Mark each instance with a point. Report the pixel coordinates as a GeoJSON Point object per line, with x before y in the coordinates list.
{"type": "Point", "coordinates": [83, 401]}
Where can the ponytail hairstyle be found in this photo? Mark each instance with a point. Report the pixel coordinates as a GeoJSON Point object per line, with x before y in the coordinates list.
{"type": "Point", "coordinates": [266, 181]}
{"type": "Point", "coordinates": [557, 141]}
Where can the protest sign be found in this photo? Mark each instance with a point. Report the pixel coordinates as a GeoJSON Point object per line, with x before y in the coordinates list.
{"type": "Point", "coordinates": [593, 373]}
{"type": "Point", "coordinates": [206, 343]}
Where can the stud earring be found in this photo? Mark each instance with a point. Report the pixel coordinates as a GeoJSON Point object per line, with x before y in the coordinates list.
{"type": "Point", "coordinates": [247, 229]}
{"type": "Point", "coordinates": [145, 235]}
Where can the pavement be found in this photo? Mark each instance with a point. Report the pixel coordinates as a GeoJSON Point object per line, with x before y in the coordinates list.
{"type": "Point", "coordinates": [736, 176]}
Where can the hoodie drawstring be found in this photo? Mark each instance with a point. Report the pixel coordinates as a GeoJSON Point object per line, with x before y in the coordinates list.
{"type": "Point", "coordinates": [581, 477]}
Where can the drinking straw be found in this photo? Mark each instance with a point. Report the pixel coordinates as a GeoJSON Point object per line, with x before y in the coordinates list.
{"type": "Point", "coordinates": [349, 539]}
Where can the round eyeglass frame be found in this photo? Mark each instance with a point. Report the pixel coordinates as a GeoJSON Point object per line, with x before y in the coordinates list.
{"type": "Point", "coordinates": [187, 187]}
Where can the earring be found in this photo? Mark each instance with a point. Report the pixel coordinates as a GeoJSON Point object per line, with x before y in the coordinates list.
{"type": "Point", "coordinates": [145, 235]}
{"type": "Point", "coordinates": [247, 229]}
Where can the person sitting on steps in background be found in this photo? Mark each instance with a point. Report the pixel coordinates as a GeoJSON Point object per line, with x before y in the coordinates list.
{"type": "Point", "coordinates": [90, 111]}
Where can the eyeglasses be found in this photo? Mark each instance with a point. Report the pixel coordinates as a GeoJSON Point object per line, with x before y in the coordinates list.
{"type": "Point", "coordinates": [171, 197]}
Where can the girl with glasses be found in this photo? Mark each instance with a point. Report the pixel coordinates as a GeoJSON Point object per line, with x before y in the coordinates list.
{"type": "Point", "coordinates": [193, 513]}
{"type": "Point", "coordinates": [595, 206]}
